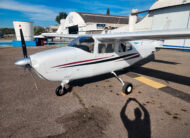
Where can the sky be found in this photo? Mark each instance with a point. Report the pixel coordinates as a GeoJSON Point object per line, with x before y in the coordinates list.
{"type": "Point", "coordinates": [43, 12]}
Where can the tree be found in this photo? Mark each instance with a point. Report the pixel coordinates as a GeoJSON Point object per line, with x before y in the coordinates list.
{"type": "Point", "coordinates": [62, 15]}
{"type": "Point", "coordinates": [7, 30]}
{"type": "Point", "coordinates": [39, 30]}
{"type": "Point", "coordinates": [108, 11]}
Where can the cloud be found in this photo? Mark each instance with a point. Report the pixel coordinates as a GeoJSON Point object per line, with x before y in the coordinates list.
{"type": "Point", "coordinates": [96, 4]}
{"type": "Point", "coordinates": [35, 12]}
{"type": "Point", "coordinates": [120, 7]}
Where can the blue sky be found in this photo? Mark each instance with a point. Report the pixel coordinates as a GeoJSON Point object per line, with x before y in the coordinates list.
{"type": "Point", "coordinates": [43, 12]}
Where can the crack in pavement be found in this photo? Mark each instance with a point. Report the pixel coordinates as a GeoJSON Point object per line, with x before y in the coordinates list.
{"type": "Point", "coordinates": [81, 102]}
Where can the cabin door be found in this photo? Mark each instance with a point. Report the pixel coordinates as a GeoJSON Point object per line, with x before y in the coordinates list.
{"type": "Point", "coordinates": [105, 54]}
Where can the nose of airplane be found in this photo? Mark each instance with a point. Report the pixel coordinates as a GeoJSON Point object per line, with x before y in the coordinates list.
{"type": "Point", "coordinates": [23, 62]}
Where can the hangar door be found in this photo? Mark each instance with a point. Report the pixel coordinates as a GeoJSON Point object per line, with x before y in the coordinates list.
{"type": "Point", "coordinates": [172, 18]}
{"type": "Point", "coordinates": [73, 29]}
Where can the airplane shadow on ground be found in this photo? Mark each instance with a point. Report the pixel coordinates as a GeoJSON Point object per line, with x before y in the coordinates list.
{"type": "Point", "coordinates": [84, 81]}
{"type": "Point", "coordinates": [165, 62]}
{"type": "Point", "coordinates": [137, 128]}
{"type": "Point", "coordinates": [162, 75]}
{"type": "Point", "coordinates": [167, 76]}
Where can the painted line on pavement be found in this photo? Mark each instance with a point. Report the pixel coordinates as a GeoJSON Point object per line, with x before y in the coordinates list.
{"type": "Point", "coordinates": [150, 82]}
{"type": "Point", "coordinates": [164, 88]}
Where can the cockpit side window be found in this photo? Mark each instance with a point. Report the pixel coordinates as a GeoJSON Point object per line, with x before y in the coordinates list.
{"type": "Point", "coordinates": [125, 46]}
{"type": "Point", "coordinates": [85, 43]}
{"type": "Point", "coordinates": [106, 48]}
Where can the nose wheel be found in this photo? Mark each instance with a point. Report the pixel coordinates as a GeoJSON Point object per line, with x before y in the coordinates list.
{"type": "Point", "coordinates": [60, 91]}
{"type": "Point", "coordinates": [63, 88]}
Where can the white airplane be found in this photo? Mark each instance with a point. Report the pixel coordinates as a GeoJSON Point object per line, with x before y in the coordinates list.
{"type": "Point", "coordinates": [93, 55]}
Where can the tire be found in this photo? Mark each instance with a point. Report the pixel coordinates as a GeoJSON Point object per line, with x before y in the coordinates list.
{"type": "Point", "coordinates": [60, 91]}
{"type": "Point", "coordinates": [127, 88]}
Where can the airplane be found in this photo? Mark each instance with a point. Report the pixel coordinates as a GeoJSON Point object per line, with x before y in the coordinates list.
{"type": "Point", "coordinates": [92, 55]}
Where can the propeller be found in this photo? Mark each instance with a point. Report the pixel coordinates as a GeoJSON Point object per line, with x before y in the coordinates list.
{"type": "Point", "coordinates": [25, 62]}
{"type": "Point", "coordinates": [23, 44]}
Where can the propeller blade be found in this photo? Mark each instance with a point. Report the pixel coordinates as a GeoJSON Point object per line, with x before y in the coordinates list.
{"type": "Point", "coordinates": [23, 44]}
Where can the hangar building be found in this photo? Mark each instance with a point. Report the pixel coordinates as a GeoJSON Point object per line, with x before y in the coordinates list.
{"type": "Point", "coordinates": [163, 15]}
{"type": "Point", "coordinates": [89, 23]}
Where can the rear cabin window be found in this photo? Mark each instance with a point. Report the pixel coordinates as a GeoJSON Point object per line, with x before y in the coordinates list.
{"type": "Point", "coordinates": [106, 48]}
{"type": "Point", "coordinates": [125, 46]}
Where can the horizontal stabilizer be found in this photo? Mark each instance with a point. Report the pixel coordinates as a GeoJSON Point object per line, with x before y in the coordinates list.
{"type": "Point", "coordinates": [59, 35]}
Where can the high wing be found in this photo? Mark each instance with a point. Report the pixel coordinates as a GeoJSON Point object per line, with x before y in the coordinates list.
{"type": "Point", "coordinates": [154, 35]}
{"type": "Point", "coordinates": [60, 35]}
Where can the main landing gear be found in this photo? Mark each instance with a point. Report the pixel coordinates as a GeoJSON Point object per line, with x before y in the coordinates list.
{"type": "Point", "coordinates": [127, 87]}
{"type": "Point", "coordinates": [61, 90]}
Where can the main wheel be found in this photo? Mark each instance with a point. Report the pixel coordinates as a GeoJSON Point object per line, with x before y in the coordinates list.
{"type": "Point", "coordinates": [60, 91]}
{"type": "Point", "coordinates": [127, 88]}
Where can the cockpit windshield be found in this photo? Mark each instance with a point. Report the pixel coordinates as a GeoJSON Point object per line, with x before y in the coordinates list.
{"type": "Point", "coordinates": [85, 43]}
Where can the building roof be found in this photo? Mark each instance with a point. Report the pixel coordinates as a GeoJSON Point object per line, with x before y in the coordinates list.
{"type": "Point", "coordinates": [103, 18]}
{"type": "Point", "coordinates": [168, 3]}
{"type": "Point", "coordinates": [163, 4]}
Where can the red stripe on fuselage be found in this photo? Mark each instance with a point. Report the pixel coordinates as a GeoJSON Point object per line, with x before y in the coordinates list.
{"type": "Point", "coordinates": [80, 61]}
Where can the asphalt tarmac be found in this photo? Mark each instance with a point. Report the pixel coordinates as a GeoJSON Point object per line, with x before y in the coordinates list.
{"type": "Point", "coordinates": [95, 107]}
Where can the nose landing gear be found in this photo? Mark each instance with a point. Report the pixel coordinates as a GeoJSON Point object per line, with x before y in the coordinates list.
{"type": "Point", "coordinates": [61, 90]}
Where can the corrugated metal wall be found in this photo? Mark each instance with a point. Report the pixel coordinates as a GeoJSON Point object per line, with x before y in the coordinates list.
{"type": "Point", "coordinates": [172, 18]}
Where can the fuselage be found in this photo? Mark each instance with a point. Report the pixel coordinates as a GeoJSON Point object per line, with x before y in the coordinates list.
{"type": "Point", "coordinates": [73, 62]}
